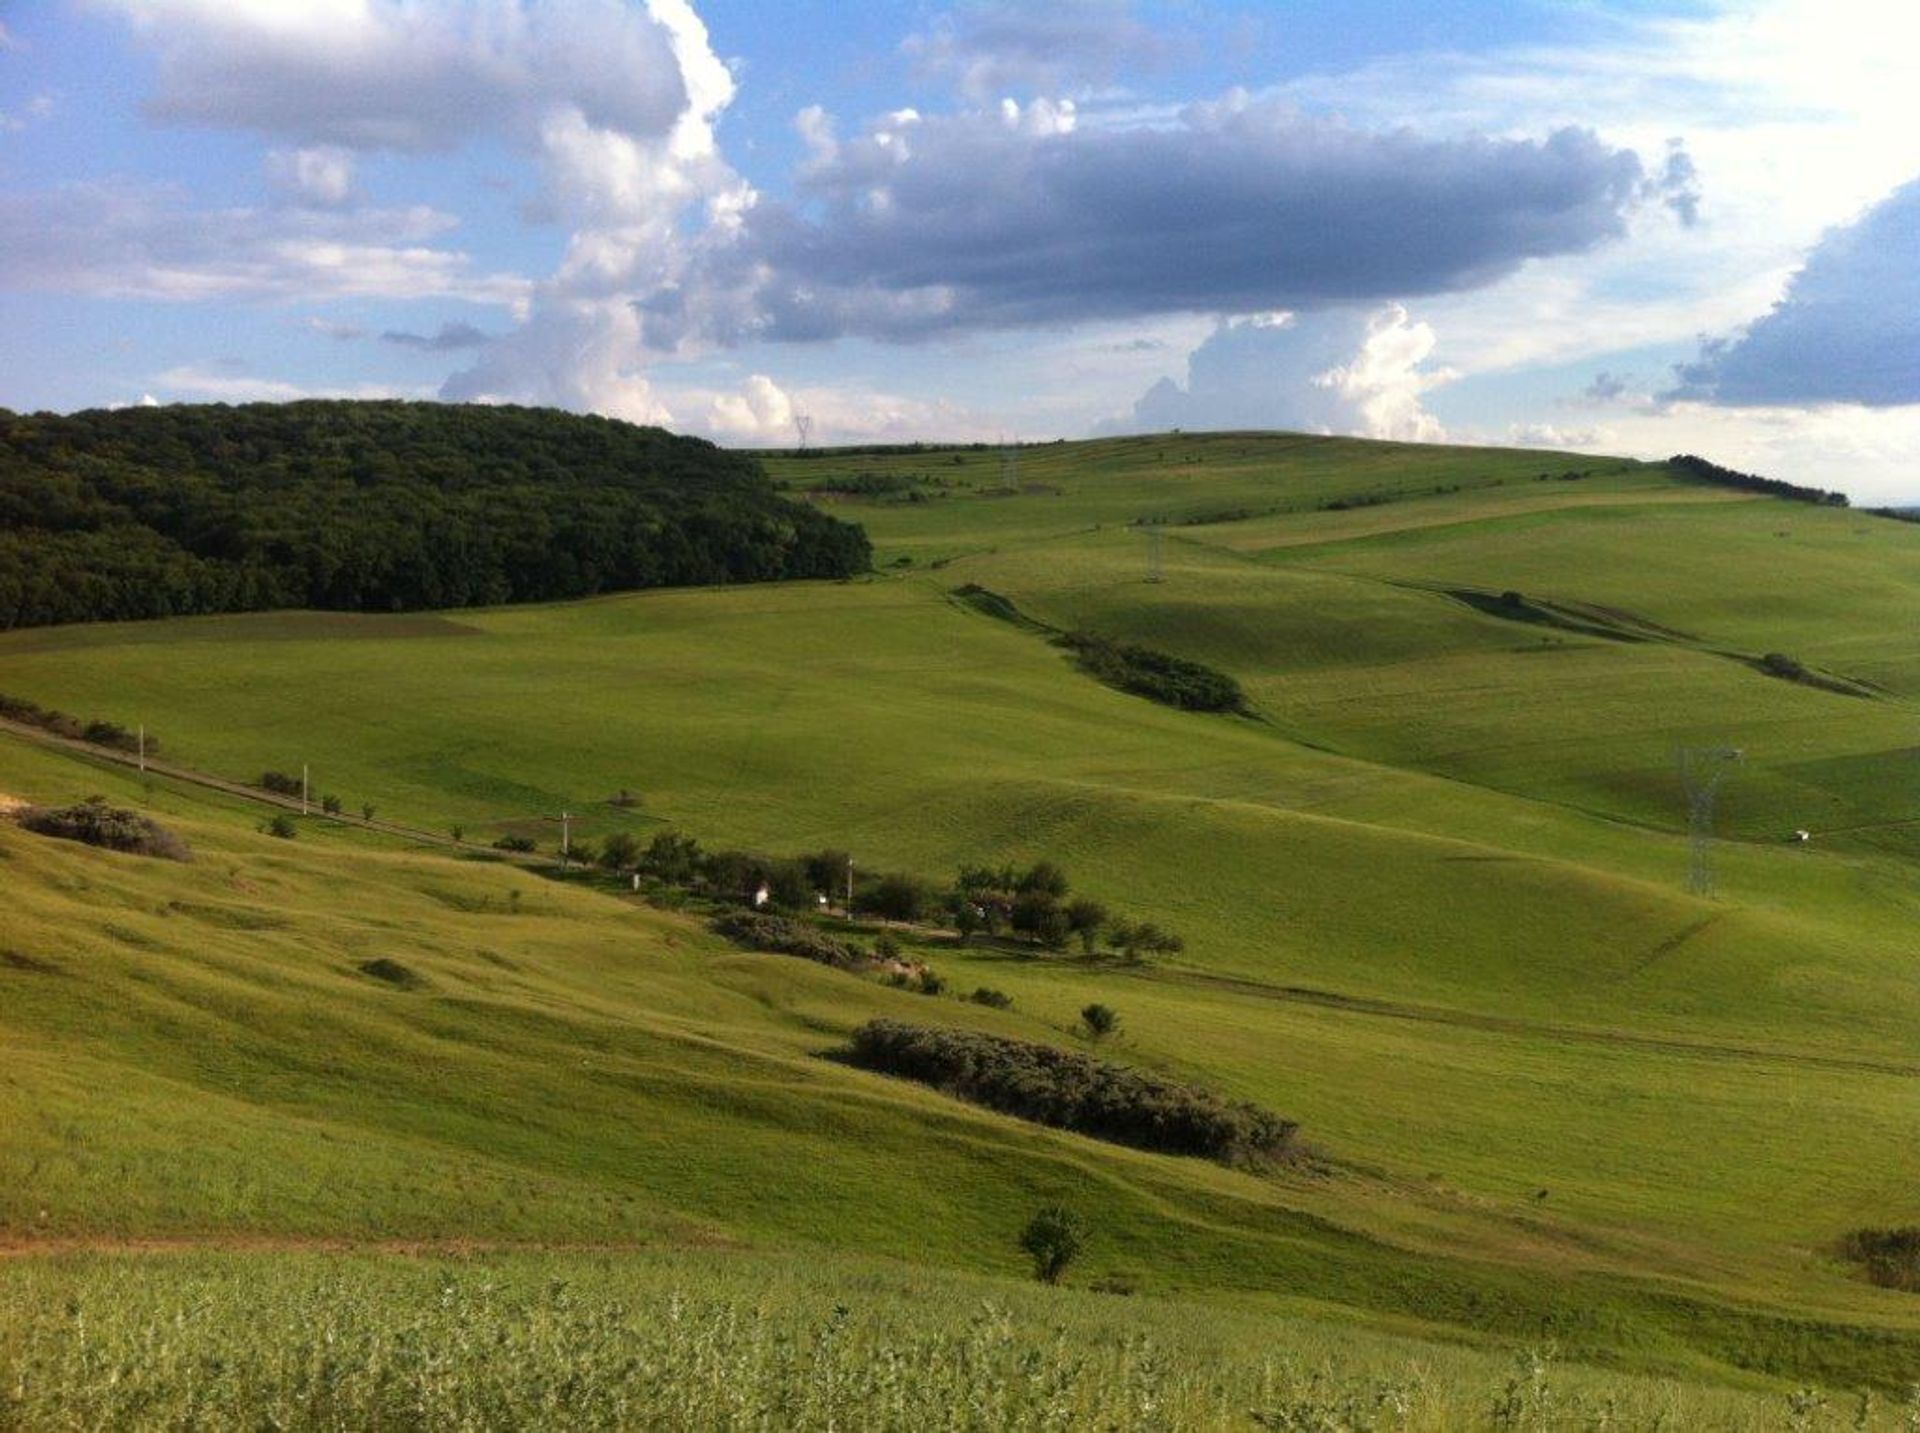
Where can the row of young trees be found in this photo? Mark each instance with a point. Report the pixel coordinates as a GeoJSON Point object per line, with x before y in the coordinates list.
{"type": "Point", "coordinates": [378, 506]}
{"type": "Point", "coordinates": [1033, 904]}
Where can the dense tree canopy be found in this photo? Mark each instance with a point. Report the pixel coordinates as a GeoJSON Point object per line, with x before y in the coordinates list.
{"type": "Point", "coordinates": [153, 512]}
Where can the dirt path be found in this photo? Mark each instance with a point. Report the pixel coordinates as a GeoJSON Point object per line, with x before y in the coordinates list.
{"type": "Point", "coordinates": [167, 770]}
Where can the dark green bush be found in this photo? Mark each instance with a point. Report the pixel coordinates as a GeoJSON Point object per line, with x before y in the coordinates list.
{"type": "Point", "coordinates": [1891, 1257]}
{"type": "Point", "coordinates": [993, 999]}
{"type": "Point", "coordinates": [521, 844]}
{"type": "Point", "coordinates": [1076, 1092]}
{"type": "Point", "coordinates": [95, 823]}
{"type": "Point", "coordinates": [1173, 681]}
{"type": "Point", "coordinates": [756, 931]}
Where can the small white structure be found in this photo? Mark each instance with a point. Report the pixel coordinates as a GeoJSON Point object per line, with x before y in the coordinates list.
{"type": "Point", "coordinates": [1802, 837]}
{"type": "Point", "coordinates": [761, 895]}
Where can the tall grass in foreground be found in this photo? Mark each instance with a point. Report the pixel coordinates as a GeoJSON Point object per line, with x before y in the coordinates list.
{"type": "Point", "coordinates": [311, 1341]}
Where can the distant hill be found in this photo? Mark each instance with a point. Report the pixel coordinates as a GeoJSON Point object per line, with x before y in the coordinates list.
{"type": "Point", "coordinates": [378, 506]}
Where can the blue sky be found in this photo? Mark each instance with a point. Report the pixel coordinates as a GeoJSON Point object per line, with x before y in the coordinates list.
{"type": "Point", "coordinates": [1639, 228]}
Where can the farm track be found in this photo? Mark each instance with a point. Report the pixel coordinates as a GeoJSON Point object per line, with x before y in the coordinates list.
{"type": "Point", "coordinates": [240, 790]}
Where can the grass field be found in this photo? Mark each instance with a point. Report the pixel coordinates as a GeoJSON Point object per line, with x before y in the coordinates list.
{"type": "Point", "coordinates": [1433, 893]}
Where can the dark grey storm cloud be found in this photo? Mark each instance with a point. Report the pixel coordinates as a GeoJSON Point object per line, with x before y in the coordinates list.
{"type": "Point", "coordinates": [449, 337]}
{"type": "Point", "coordinates": [997, 220]}
{"type": "Point", "coordinates": [994, 47]}
{"type": "Point", "coordinates": [1847, 331]}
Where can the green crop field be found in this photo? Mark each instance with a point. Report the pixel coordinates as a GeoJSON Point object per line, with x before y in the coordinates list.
{"type": "Point", "coordinates": [1433, 888]}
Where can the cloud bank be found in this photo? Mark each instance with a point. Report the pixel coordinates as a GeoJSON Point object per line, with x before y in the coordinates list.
{"type": "Point", "coordinates": [1019, 217]}
{"type": "Point", "coordinates": [1344, 371]}
{"type": "Point", "coordinates": [1846, 331]}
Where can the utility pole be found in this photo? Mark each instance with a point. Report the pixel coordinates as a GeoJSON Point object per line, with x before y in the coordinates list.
{"type": "Point", "coordinates": [303, 788]}
{"type": "Point", "coordinates": [849, 888]}
{"type": "Point", "coordinates": [143, 748]}
{"type": "Point", "coordinates": [566, 838]}
{"type": "Point", "coordinates": [1154, 572]}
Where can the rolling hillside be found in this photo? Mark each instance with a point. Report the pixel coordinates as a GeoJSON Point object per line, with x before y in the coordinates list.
{"type": "Point", "coordinates": [1433, 890]}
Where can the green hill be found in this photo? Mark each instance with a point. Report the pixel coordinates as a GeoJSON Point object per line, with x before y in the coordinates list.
{"type": "Point", "coordinates": [1433, 889]}
{"type": "Point", "coordinates": [376, 506]}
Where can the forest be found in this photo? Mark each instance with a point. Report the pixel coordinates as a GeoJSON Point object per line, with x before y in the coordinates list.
{"type": "Point", "coordinates": [378, 506]}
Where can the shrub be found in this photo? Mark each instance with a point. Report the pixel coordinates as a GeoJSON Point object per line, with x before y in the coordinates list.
{"type": "Point", "coordinates": [107, 733]}
{"type": "Point", "coordinates": [522, 844]}
{"type": "Point", "coordinates": [330, 805]}
{"type": "Point", "coordinates": [1072, 1091]}
{"type": "Point", "coordinates": [94, 823]}
{"type": "Point", "coordinates": [930, 982]}
{"type": "Point", "coordinates": [366, 810]}
{"type": "Point", "coordinates": [1037, 915]}
{"type": "Point", "coordinates": [281, 825]}
{"type": "Point", "coordinates": [757, 931]}
{"type": "Point", "coordinates": [1100, 1020]}
{"type": "Point", "coordinates": [885, 947]}
{"type": "Point", "coordinates": [991, 998]}
{"type": "Point", "coordinates": [1891, 1257]}
{"type": "Point", "coordinates": [391, 972]}
{"type": "Point", "coordinates": [458, 832]}
{"type": "Point", "coordinates": [279, 783]}
{"type": "Point", "coordinates": [1136, 940]}
{"type": "Point", "coordinates": [1053, 1239]}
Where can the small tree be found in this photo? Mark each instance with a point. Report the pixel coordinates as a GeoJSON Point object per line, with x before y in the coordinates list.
{"type": "Point", "coordinates": [1053, 1239]}
{"type": "Point", "coordinates": [282, 826]}
{"type": "Point", "coordinates": [330, 805]}
{"type": "Point", "coordinates": [1045, 878]}
{"type": "Point", "coordinates": [1085, 918]}
{"type": "Point", "coordinates": [458, 832]}
{"type": "Point", "coordinates": [1037, 914]}
{"type": "Point", "coordinates": [672, 857]}
{"type": "Point", "coordinates": [619, 852]}
{"type": "Point", "coordinates": [366, 811]}
{"type": "Point", "coordinates": [1100, 1021]}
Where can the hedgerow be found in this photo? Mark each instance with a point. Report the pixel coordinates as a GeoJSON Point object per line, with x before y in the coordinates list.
{"type": "Point", "coordinates": [1076, 1092]}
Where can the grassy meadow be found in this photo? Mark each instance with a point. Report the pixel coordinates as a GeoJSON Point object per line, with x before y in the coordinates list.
{"type": "Point", "coordinates": [1434, 898]}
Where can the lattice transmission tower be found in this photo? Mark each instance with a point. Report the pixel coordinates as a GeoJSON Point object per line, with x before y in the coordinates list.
{"type": "Point", "coordinates": [1703, 770]}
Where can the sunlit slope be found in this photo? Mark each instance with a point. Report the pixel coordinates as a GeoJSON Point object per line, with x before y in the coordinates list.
{"type": "Point", "coordinates": [889, 719]}
{"type": "Point", "coordinates": [194, 1052]}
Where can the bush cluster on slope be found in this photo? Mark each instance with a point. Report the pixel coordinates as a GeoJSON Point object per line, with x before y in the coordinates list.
{"type": "Point", "coordinates": [96, 823]}
{"type": "Point", "coordinates": [790, 937]}
{"type": "Point", "coordinates": [1891, 1257]}
{"type": "Point", "coordinates": [1074, 1092]}
{"type": "Point", "coordinates": [378, 506]}
{"type": "Point", "coordinates": [1157, 676]}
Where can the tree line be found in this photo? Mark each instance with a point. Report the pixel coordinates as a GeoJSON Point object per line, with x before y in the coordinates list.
{"type": "Point", "coordinates": [1707, 472]}
{"type": "Point", "coordinates": [1034, 905]}
{"type": "Point", "coordinates": [378, 506]}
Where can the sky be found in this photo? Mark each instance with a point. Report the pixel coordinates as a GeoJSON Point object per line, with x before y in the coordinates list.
{"type": "Point", "coordinates": [1639, 228]}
